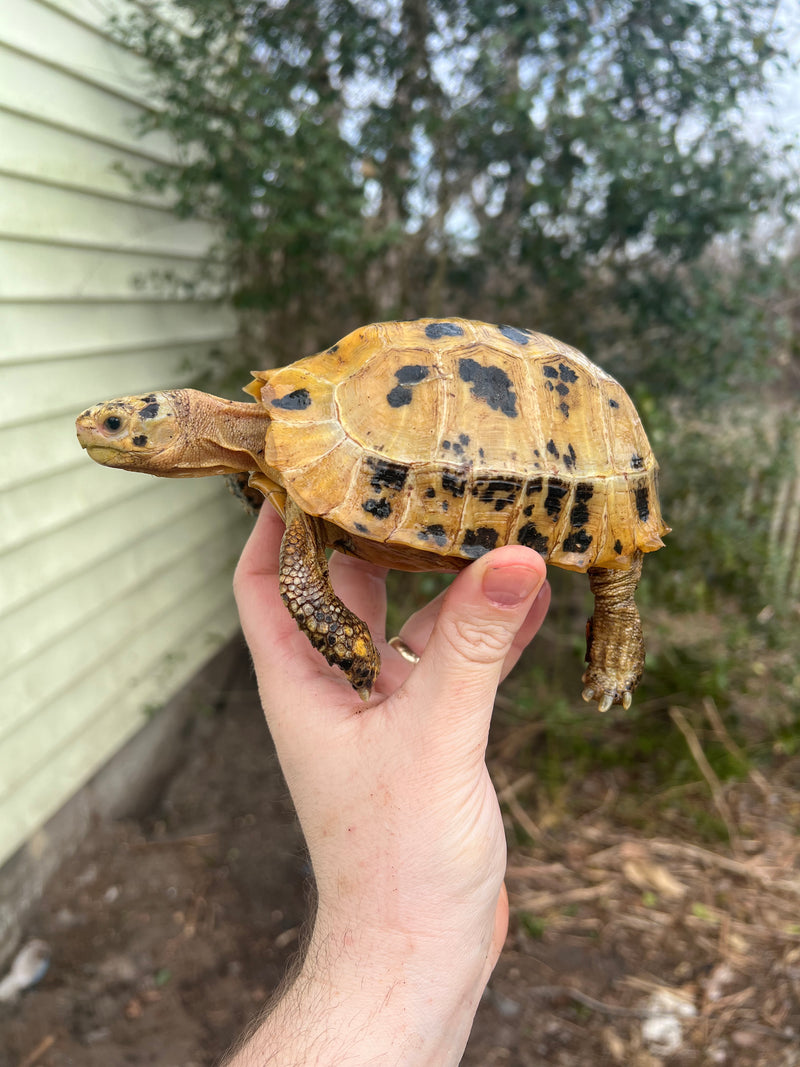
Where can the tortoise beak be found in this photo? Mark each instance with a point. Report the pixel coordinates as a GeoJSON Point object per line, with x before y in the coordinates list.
{"type": "Point", "coordinates": [86, 428]}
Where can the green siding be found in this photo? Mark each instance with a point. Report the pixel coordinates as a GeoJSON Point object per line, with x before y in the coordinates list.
{"type": "Point", "coordinates": [114, 589]}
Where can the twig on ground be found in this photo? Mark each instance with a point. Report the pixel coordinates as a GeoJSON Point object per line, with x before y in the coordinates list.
{"type": "Point", "coordinates": [543, 901]}
{"type": "Point", "coordinates": [518, 813]}
{"type": "Point", "coordinates": [707, 771]}
{"type": "Point", "coordinates": [36, 1054]}
{"type": "Point", "coordinates": [725, 739]}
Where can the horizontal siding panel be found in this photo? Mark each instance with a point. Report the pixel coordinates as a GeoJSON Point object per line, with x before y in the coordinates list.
{"type": "Point", "coordinates": [70, 385]}
{"type": "Point", "coordinates": [49, 95]}
{"type": "Point", "coordinates": [29, 691]}
{"type": "Point", "coordinates": [65, 769]}
{"type": "Point", "coordinates": [120, 664]}
{"type": "Point", "coordinates": [36, 150]}
{"type": "Point", "coordinates": [34, 509]}
{"type": "Point", "coordinates": [36, 449]}
{"type": "Point", "coordinates": [41, 212]}
{"type": "Point", "coordinates": [41, 330]}
{"type": "Point", "coordinates": [114, 589]}
{"type": "Point", "coordinates": [82, 601]}
{"type": "Point", "coordinates": [97, 14]}
{"type": "Point", "coordinates": [55, 40]}
{"type": "Point", "coordinates": [27, 272]}
{"type": "Point", "coordinates": [39, 564]}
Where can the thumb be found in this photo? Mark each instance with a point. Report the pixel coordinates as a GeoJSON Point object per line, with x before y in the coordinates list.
{"type": "Point", "coordinates": [484, 608]}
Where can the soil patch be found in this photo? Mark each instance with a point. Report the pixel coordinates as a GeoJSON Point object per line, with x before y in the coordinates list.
{"type": "Point", "coordinates": [170, 932]}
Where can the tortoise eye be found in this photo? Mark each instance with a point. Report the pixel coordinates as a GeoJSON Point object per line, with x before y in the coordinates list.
{"type": "Point", "coordinates": [113, 423]}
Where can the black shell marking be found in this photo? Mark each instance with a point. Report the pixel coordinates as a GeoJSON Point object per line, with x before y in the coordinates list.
{"type": "Point", "coordinates": [577, 542]}
{"type": "Point", "coordinates": [411, 374]}
{"type": "Point", "coordinates": [453, 483]}
{"type": "Point", "coordinates": [381, 509]}
{"type": "Point", "coordinates": [555, 498]}
{"type": "Point", "coordinates": [399, 396]}
{"type": "Point", "coordinates": [643, 503]}
{"type": "Point", "coordinates": [491, 384]}
{"type": "Point", "coordinates": [435, 532]}
{"type": "Point", "coordinates": [295, 401]}
{"type": "Point", "coordinates": [435, 330]}
{"type": "Point", "coordinates": [478, 542]}
{"type": "Point", "coordinates": [513, 334]}
{"type": "Point", "coordinates": [579, 515]}
{"type": "Point", "coordinates": [531, 538]}
{"type": "Point", "coordinates": [385, 473]}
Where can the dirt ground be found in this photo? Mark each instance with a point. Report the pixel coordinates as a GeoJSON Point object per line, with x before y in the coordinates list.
{"type": "Point", "coordinates": [168, 933]}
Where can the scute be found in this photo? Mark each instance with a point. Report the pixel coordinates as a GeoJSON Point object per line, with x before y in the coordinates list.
{"type": "Point", "coordinates": [444, 438]}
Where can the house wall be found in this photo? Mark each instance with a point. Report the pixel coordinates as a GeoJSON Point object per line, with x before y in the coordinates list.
{"type": "Point", "coordinates": [114, 588]}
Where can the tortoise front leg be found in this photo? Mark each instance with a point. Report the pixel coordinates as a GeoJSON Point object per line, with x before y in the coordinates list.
{"type": "Point", "coordinates": [614, 642]}
{"type": "Point", "coordinates": [305, 587]}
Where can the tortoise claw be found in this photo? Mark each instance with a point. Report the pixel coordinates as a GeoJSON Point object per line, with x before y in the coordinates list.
{"type": "Point", "coordinates": [605, 699]}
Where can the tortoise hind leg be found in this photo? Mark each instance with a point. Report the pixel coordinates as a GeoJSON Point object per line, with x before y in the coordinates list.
{"type": "Point", "coordinates": [305, 588]}
{"type": "Point", "coordinates": [614, 642]}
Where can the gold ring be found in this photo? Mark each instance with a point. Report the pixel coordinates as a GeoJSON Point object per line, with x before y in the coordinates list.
{"type": "Point", "coordinates": [399, 645]}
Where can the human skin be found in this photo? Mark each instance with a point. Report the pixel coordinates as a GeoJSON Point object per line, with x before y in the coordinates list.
{"type": "Point", "coordinates": [397, 808]}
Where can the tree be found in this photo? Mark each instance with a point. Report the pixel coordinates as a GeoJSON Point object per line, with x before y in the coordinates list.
{"type": "Point", "coordinates": [528, 160]}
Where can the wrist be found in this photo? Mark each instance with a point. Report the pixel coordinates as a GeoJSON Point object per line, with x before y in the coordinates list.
{"type": "Point", "coordinates": [392, 997]}
{"type": "Point", "coordinates": [375, 997]}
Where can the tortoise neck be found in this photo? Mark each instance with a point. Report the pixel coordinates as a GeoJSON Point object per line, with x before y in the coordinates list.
{"type": "Point", "coordinates": [223, 436]}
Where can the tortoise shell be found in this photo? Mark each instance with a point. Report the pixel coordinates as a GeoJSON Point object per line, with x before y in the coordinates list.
{"type": "Point", "coordinates": [424, 444]}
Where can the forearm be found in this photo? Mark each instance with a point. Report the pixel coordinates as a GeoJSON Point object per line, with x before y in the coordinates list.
{"type": "Point", "coordinates": [355, 1004]}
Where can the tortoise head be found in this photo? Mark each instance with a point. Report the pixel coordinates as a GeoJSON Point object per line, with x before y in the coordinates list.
{"type": "Point", "coordinates": [176, 433]}
{"type": "Point", "coordinates": [141, 433]}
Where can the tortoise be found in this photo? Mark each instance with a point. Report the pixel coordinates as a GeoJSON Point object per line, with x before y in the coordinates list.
{"type": "Point", "coordinates": [422, 445]}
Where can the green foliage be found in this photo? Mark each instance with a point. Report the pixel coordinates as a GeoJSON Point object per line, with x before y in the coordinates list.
{"type": "Point", "coordinates": [531, 160]}
{"type": "Point", "coordinates": [711, 332]}
{"type": "Point", "coordinates": [532, 925]}
{"type": "Point", "coordinates": [721, 477]}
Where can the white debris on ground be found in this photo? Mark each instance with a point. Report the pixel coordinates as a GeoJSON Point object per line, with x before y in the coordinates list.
{"type": "Point", "coordinates": [662, 1029]}
{"type": "Point", "coordinates": [28, 967]}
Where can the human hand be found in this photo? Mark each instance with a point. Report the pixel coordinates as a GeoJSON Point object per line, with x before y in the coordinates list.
{"type": "Point", "coordinates": [395, 802]}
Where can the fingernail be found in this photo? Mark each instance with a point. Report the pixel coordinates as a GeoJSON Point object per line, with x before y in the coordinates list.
{"type": "Point", "coordinates": [507, 586]}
